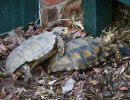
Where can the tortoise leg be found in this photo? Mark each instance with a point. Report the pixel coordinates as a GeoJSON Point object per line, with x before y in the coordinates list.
{"type": "Point", "coordinates": [60, 45]}
{"type": "Point", "coordinates": [26, 70]}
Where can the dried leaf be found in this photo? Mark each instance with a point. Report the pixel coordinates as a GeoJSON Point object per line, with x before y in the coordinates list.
{"type": "Point", "coordinates": [121, 69]}
{"type": "Point", "coordinates": [3, 47]}
{"type": "Point", "coordinates": [42, 81]}
{"type": "Point", "coordinates": [122, 88]}
{"type": "Point", "coordinates": [78, 24]}
{"type": "Point", "coordinates": [78, 90]}
{"type": "Point", "coordinates": [52, 82]}
{"type": "Point", "coordinates": [42, 92]}
{"type": "Point", "coordinates": [118, 96]}
{"type": "Point", "coordinates": [68, 86]}
{"type": "Point", "coordinates": [97, 70]}
{"type": "Point", "coordinates": [3, 92]}
{"type": "Point", "coordinates": [94, 82]}
{"type": "Point", "coordinates": [68, 23]}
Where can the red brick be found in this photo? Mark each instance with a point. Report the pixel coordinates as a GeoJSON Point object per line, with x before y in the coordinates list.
{"type": "Point", "coordinates": [51, 10]}
{"type": "Point", "coordinates": [51, 2]}
{"type": "Point", "coordinates": [52, 14]}
{"type": "Point", "coordinates": [49, 15]}
{"type": "Point", "coordinates": [71, 8]}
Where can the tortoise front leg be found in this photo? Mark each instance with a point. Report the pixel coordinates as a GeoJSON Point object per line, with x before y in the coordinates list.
{"type": "Point", "coordinates": [26, 70]}
{"type": "Point", "coordinates": [60, 45]}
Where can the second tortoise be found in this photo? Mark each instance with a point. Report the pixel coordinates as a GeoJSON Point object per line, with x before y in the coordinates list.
{"type": "Point", "coordinates": [81, 54]}
{"type": "Point", "coordinates": [35, 50]}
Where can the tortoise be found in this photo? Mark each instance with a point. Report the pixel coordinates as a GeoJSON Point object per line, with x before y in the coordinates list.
{"type": "Point", "coordinates": [81, 54]}
{"type": "Point", "coordinates": [35, 50]}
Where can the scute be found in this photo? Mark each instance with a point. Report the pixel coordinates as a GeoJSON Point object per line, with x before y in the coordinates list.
{"type": "Point", "coordinates": [79, 54]}
{"type": "Point", "coordinates": [32, 49]}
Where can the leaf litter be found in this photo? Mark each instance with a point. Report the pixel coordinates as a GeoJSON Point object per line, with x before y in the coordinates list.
{"type": "Point", "coordinates": [107, 81]}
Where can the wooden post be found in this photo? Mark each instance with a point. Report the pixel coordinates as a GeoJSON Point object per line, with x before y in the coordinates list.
{"type": "Point", "coordinates": [97, 15]}
{"type": "Point", "coordinates": [125, 2]}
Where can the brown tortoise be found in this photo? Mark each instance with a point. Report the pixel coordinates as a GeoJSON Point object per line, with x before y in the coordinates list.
{"type": "Point", "coordinates": [35, 50]}
{"type": "Point", "coordinates": [81, 54]}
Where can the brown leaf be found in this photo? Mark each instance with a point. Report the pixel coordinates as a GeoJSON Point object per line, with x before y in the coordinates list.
{"type": "Point", "coordinates": [68, 23]}
{"type": "Point", "coordinates": [94, 82]}
{"type": "Point", "coordinates": [123, 88]}
{"type": "Point", "coordinates": [3, 92]}
{"type": "Point", "coordinates": [3, 47]}
{"type": "Point", "coordinates": [97, 70]}
{"type": "Point", "coordinates": [121, 69]}
{"type": "Point", "coordinates": [118, 96]}
{"type": "Point", "coordinates": [78, 90]}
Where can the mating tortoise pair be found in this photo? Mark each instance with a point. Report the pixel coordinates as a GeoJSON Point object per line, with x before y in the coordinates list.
{"type": "Point", "coordinates": [79, 53]}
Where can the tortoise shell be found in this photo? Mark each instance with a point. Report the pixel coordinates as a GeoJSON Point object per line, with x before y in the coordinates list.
{"type": "Point", "coordinates": [37, 48]}
{"type": "Point", "coordinates": [80, 54]}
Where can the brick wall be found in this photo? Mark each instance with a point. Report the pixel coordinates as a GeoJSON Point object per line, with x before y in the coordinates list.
{"type": "Point", "coordinates": [52, 10]}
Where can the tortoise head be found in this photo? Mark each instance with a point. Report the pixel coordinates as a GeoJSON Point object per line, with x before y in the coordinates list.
{"type": "Point", "coordinates": [60, 31]}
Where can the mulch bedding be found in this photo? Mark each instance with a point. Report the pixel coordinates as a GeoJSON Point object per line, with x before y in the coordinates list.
{"type": "Point", "coordinates": [108, 81]}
